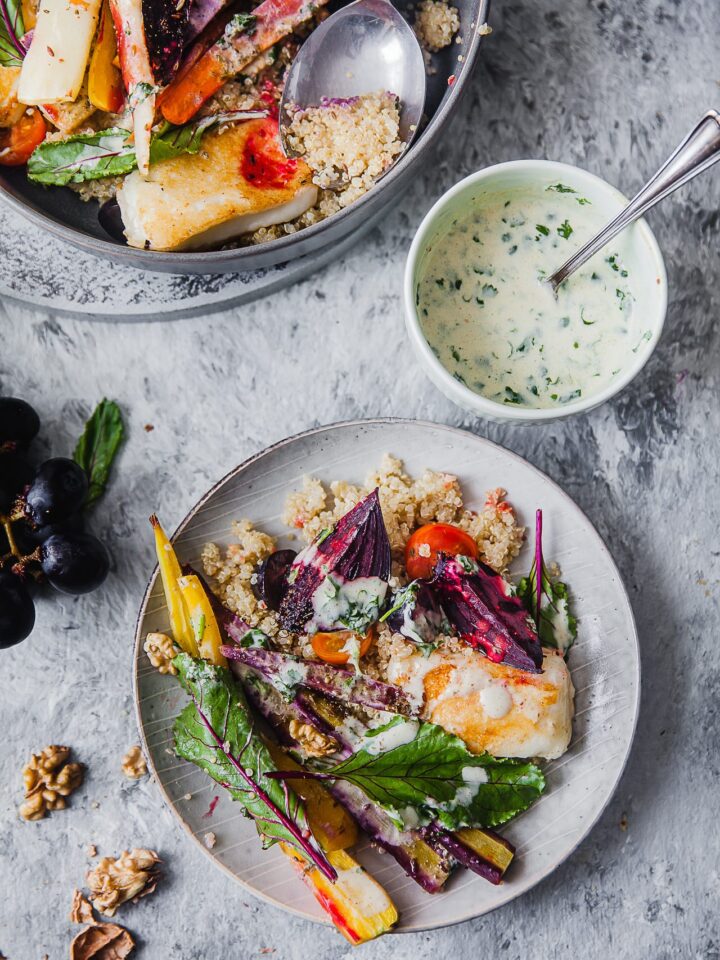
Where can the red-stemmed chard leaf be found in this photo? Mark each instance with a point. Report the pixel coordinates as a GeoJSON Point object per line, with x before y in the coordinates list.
{"type": "Point", "coordinates": [539, 565]}
{"type": "Point", "coordinates": [12, 30]}
{"type": "Point", "coordinates": [548, 600]}
{"type": "Point", "coordinates": [216, 732]}
{"type": "Point", "coordinates": [480, 606]}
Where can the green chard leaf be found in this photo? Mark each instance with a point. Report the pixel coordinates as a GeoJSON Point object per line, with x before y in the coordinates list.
{"type": "Point", "coordinates": [111, 153]}
{"type": "Point", "coordinates": [429, 774]}
{"type": "Point", "coordinates": [558, 625]}
{"type": "Point", "coordinates": [216, 733]}
{"type": "Point", "coordinates": [12, 29]}
{"type": "Point", "coordinates": [98, 445]}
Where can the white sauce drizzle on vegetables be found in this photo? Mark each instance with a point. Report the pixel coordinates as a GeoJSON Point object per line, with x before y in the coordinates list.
{"type": "Point", "coordinates": [395, 735]}
{"type": "Point", "coordinates": [350, 604]}
{"type": "Point", "coordinates": [498, 329]}
{"type": "Point", "coordinates": [495, 699]}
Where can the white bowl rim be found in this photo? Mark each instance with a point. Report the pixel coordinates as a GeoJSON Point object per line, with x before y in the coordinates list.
{"type": "Point", "coordinates": [458, 392]}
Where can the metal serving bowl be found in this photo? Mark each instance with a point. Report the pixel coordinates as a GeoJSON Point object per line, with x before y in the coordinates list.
{"type": "Point", "coordinates": [60, 211]}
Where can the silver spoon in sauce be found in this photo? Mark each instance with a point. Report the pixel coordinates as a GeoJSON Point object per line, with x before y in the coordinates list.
{"type": "Point", "coordinates": [365, 47]}
{"type": "Point", "coordinates": [697, 153]}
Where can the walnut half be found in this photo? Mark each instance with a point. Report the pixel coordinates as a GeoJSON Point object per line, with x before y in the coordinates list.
{"type": "Point", "coordinates": [48, 779]}
{"type": "Point", "coordinates": [114, 881]}
{"type": "Point", "coordinates": [133, 764]}
{"type": "Point", "coordinates": [160, 650]}
{"type": "Point", "coordinates": [313, 742]}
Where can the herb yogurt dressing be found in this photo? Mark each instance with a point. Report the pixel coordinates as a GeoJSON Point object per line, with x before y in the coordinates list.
{"type": "Point", "coordinates": [499, 330]}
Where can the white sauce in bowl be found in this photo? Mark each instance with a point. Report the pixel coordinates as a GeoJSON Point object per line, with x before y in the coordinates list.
{"type": "Point", "coordinates": [499, 330]}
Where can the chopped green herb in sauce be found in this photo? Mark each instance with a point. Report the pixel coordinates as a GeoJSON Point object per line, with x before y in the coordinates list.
{"type": "Point", "coordinates": [499, 330]}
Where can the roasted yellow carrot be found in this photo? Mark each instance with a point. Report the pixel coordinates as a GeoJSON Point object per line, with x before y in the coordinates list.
{"type": "Point", "coordinates": [199, 612]}
{"type": "Point", "coordinates": [357, 904]}
{"type": "Point", "coordinates": [170, 573]}
{"type": "Point", "coordinates": [332, 825]}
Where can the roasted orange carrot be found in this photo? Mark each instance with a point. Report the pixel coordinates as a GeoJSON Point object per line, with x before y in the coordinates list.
{"type": "Point", "coordinates": [245, 37]}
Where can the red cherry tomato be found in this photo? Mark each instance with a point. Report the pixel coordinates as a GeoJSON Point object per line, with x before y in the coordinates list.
{"type": "Point", "coordinates": [329, 646]}
{"type": "Point", "coordinates": [19, 141]}
{"type": "Point", "coordinates": [427, 542]}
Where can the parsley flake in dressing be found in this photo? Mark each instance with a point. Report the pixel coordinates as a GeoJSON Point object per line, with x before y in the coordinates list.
{"type": "Point", "coordinates": [498, 329]}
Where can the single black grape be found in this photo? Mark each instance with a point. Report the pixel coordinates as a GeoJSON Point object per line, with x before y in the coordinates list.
{"type": "Point", "coordinates": [58, 491]}
{"type": "Point", "coordinates": [18, 421]}
{"type": "Point", "coordinates": [17, 611]}
{"type": "Point", "coordinates": [73, 524]}
{"type": "Point", "coordinates": [74, 562]}
{"type": "Point", "coordinates": [15, 474]}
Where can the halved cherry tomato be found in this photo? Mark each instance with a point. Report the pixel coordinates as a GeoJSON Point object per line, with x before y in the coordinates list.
{"type": "Point", "coordinates": [19, 141]}
{"type": "Point", "coordinates": [423, 547]}
{"type": "Point", "coordinates": [329, 646]}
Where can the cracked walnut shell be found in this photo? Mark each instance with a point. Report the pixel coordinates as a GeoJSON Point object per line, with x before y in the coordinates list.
{"type": "Point", "coordinates": [160, 650]}
{"type": "Point", "coordinates": [48, 779]}
{"type": "Point", "coordinates": [114, 881]}
{"type": "Point", "coordinates": [133, 764]}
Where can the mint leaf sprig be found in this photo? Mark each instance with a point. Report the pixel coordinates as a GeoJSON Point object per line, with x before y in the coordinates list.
{"type": "Point", "coordinates": [97, 447]}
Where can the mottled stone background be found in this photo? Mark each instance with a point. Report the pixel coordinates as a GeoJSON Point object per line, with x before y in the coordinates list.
{"type": "Point", "coordinates": [603, 83]}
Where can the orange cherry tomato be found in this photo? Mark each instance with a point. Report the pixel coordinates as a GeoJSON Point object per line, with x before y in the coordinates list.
{"type": "Point", "coordinates": [329, 646]}
{"type": "Point", "coordinates": [19, 141]}
{"type": "Point", "coordinates": [423, 547]}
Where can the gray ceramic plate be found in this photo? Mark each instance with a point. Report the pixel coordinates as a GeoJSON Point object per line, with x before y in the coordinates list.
{"type": "Point", "coordinates": [604, 663]}
{"type": "Point", "coordinates": [61, 212]}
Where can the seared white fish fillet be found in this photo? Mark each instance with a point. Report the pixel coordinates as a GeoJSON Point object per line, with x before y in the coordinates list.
{"type": "Point", "coordinates": [492, 707]}
{"type": "Point", "coordinates": [238, 182]}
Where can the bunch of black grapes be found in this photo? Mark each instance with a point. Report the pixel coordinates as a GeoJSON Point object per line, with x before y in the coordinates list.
{"type": "Point", "coordinates": [42, 535]}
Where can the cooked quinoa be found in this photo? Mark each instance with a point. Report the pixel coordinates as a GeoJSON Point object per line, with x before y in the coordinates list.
{"type": "Point", "coordinates": [347, 142]}
{"type": "Point", "coordinates": [407, 504]}
{"type": "Point", "coordinates": [436, 23]}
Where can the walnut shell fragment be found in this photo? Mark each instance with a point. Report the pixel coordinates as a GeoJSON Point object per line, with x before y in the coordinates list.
{"type": "Point", "coordinates": [98, 941]}
{"type": "Point", "coordinates": [103, 941]}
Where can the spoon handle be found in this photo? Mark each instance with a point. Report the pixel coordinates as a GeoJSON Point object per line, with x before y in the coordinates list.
{"type": "Point", "coordinates": [698, 152]}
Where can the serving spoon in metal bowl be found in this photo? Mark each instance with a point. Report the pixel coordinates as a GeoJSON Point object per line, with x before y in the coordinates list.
{"type": "Point", "coordinates": [697, 153]}
{"type": "Point", "coordinates": [365, 47]}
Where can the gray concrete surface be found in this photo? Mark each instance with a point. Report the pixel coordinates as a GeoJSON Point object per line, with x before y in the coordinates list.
{"type": "Point", "coordinates": [606, 84]}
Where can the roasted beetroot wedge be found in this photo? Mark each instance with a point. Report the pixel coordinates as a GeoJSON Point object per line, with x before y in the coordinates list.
{"type": "Point", "coordinates": [272, 584]}
{"type": "Point", "coordinates": [166, 33]}
{"type": "Point", "coordinates": [478, 604]}
{"type": "Point", "coordinates": [356, 550]}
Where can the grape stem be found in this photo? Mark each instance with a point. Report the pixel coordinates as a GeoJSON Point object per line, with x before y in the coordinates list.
{"type": "Point", "coordinates": [7, 525]}
{"type": "Point", "coordinates": [17, 561]}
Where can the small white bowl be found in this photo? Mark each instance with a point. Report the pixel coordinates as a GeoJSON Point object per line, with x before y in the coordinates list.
{"type": "Point", "coordinates": [642, 257]}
